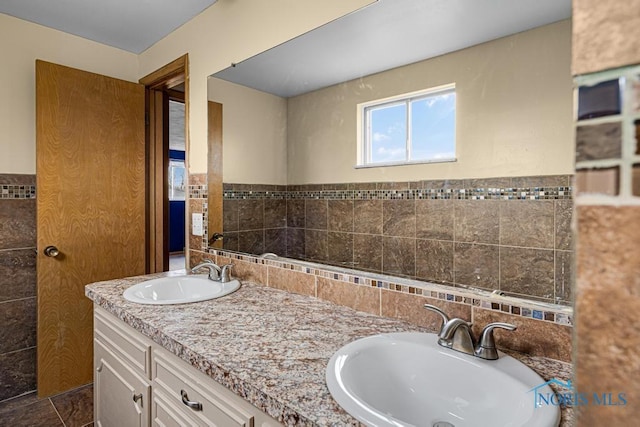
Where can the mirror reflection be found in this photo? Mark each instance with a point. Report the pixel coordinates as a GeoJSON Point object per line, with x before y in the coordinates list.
{"type": "Point", "coordinates": [322, 157]}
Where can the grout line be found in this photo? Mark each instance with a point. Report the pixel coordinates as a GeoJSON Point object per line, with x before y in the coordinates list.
{"type": "Point", "coordinates": [57, 413]}
{"type": "Point", "coordinates": [18, 299]}
{"type": "Point", "coordinates": [18, 351]}
{"type": "Point", "coordinates": [18, 249]}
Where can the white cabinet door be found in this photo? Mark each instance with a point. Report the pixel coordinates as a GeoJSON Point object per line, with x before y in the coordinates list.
{"type": "Point", "coordinates": [123, 398]}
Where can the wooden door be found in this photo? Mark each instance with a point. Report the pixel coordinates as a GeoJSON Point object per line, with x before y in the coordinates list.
{"type": "Point", "coordinates": [90, 160]}
{"type": "Point", "coordinates": [214, 173]}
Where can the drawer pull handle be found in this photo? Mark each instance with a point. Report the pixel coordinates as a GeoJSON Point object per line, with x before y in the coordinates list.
{"type": "Point", "coordinates": [138, 397]}
{"type": "Point", "coordinates": [196, 406]}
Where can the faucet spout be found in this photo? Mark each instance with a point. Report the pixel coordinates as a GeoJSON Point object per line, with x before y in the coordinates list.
{"type": "Point", "coordinates": [456, 335]}
{"type": "Point", "coordinates": [215, 272]}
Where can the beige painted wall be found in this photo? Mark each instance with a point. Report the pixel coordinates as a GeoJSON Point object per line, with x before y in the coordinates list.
{"type": "Point", "coordinates": [514, 113]}
{"type": "Point", "coordinates": [231, 31]}
{"type": "Point", "coordinates": [21, 43]}
{"type": "Point", "coordinates": [254, 134]}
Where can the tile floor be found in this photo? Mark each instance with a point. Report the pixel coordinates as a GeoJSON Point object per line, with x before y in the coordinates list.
{"type": "Point", "coordinates": [71, 409]}
{"type": "Point", "coordinates": [176, 262]}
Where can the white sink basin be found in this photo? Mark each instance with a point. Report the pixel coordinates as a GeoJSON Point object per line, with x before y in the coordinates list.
{"type": "Point", "coordinates": [179, 290]}
{"type": "Point", "coordinates": [407, 379]}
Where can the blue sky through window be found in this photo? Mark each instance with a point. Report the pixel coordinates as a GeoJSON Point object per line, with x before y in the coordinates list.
{"type": "Point", "coordinates": [389, 133]}
{"type": "Point", "coordinates": [432, 129]}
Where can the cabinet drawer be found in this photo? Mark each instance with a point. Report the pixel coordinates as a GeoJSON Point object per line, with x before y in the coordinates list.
{"type": "Point", "coordinates": [218, 410]}
{"type": "Point", "coordinates": [123, 340]}
{"type": "Point", "coordinates": [167, 414]}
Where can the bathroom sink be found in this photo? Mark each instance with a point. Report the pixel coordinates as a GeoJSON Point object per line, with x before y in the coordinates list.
{"type": "Point", "coordinates": [407, 379]}
{"type": "Point", "coordinates": [179, 290]}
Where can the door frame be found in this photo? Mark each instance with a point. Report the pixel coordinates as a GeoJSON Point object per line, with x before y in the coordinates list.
{"type": "Point", "coordinates": [157, 93]}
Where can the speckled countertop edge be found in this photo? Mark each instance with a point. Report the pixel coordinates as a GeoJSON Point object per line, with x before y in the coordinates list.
{"type": "Point", "coordinates": [283, 381]}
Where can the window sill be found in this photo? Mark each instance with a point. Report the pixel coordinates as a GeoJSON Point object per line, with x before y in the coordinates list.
{"type": "Point", "coordinates": [417, 162]}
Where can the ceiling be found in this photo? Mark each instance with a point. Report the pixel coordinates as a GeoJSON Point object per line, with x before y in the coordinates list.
{"type": "Point", "coordinates": [385, 35]}
{"type": "Point", "coordinates": [131, 25]}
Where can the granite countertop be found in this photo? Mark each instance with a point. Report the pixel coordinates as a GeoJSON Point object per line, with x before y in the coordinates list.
{"type": "Point", "coordinates": [268, 346]}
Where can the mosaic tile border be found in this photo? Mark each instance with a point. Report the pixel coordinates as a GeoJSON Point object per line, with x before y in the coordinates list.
{"type": "Point", "coordinates": [534, 193]}
{"type": "Point", "coordinates": [198, 191]}
{"type": "Point", "coordinates": [555, 187]}
{"type": "Point", "coordinates": [561, 315]}
{"type": "Point", "coordinates": [13, 191]}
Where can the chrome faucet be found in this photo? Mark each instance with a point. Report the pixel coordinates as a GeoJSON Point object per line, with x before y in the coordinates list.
{"type": "Point", "coordinates": [216, 273]}
{"type": "Point", "coordinates": [214, 270]}
{"type": "Point", "coordinates": [225, 274]}
{"type": "Point", "coordinates": [486, 348]}
{"type": "Point", "coordinates": [456, 334]}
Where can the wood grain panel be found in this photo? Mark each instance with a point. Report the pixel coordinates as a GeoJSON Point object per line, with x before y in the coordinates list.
{"type": "Point", "coordinates": [169, 75]}
{"type": "Point", "coordinates": [214, 172]}
{"type": "Point", "coordinates": [90, 158]}
{"type": "Point", "coordinates": [158, 158]}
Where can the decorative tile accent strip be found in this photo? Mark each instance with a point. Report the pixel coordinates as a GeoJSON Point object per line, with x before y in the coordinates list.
{"type": "Point", "coordinates": [198, 191]}
{"type": "Point", "coordinates": [12, 191]}
{"type": "Point", "coordinates": [462, 190]}
{"type": "Point", "coordinates": [541, 311]}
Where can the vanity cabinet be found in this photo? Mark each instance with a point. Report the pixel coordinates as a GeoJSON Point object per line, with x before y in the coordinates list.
{"type": "Point", "coordinates": [139, 383]}
{"type": "Point", "coordinates": [122, 383]}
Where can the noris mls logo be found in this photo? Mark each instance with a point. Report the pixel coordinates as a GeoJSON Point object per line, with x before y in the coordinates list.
{"type": "Point", "coordinates": [542, 396]}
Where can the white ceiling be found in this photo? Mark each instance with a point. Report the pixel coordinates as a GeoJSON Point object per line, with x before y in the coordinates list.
{"type": "Point", "coordinates": [131, 25]}
{"type": "Point", "coordinates": [388, 34]}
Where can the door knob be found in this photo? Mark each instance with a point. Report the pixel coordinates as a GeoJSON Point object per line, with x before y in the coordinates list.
{"type": "Point", "coordinates": [216, 237]}
{"type": "Point", "coordinates": [51, 251]}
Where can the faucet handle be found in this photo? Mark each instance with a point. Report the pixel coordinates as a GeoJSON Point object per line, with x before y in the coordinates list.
{"type": "Point", "coordinates": [225, 275]}
{"type": "Point", "coordinates": [486, 348]}
{"type": "Point", "coordinates": [214, 270]}
{"type": "Point", "coordinates": [442, 314]}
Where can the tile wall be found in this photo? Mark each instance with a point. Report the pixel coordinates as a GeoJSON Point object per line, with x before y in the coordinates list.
{"type": "Point", "coordinates": [544, 330]}
{"type": "Point", "coordinates": [608, 249]}
{"type": "Point", "coordinates": [511, 234]}
{"type": "Point", "coordinates": [17, 285]}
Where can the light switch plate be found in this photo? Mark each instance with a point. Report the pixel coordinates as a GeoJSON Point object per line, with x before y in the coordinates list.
{"type": "Point", "coordinates": [196, 224]}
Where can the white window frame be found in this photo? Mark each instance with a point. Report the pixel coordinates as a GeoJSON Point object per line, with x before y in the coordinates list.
{"type": "Point", "coordinates": [364, 129]}
{"type": "Point", "coordinates": [173, 164]}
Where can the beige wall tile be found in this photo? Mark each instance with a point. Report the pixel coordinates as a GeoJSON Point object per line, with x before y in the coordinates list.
{"type": "Point", "coordinates": [194, 206]}
{"type": "Point", "coordinates": [607, 305]}
{"type": "Point", "coordinates": [358, 297]}
{"type": "Point", "coordinates": [606, 34]}
{"type": "Point", "coordinates": [198, 257]}
{"type": "Point", "coordinates": [410, 308]}
{"type": "Point", "coordinates": [245, 270]}
{"type": "Point", "coordinates": [197, 179]}
{"type": "Point", "coordinates": [533, 337]}
{"type": "Point", "coordinates": [292, 281]}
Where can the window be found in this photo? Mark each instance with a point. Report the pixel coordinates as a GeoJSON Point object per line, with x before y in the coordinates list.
{"type": "Point", "coordinates": [176, 180]}
{"type": "Point", "coordinates": [412, 128]}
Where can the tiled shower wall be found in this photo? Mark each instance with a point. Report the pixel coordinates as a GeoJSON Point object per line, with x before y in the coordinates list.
{"type": "Point", "coordinates": [17, 285]}
{"type": "Point", "coordinates": [511, 234]}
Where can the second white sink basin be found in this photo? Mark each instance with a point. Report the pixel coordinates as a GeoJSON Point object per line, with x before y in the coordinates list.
{"type": "Point", "coordinates": [179, 290]}
{"type": "Point", "coordinates": [407, 379]}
